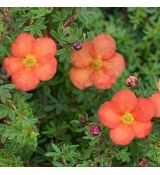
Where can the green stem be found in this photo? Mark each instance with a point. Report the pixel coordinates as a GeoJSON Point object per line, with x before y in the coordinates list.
{"type": "Point", "coordinates": [142, 88]}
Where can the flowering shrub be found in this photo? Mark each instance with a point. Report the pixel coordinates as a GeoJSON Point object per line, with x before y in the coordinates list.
{"type": "Point", "coordinates": [78, 87]}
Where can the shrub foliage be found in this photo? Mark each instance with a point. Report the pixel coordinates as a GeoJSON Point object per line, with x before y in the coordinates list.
{"type": "Point", "coordinates": [42, 127]}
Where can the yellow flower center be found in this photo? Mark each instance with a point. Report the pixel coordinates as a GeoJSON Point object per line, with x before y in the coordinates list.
{"type": "Point", "coordinates": [30, 61]}
{"type": "Point", "coordinates": [97, 64]}
{"type": "Point", "coordinates": [128, 118]}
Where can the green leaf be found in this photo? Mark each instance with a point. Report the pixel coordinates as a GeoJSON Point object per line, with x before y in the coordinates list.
{"type": "Point", "coordinates": [56, 148]}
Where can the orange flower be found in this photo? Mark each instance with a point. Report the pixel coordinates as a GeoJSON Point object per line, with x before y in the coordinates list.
{"type": "Point", "coordinates": [127, 116]}
{"type": "Point", "coordinates": [97, 63]}
{"type": "Point", "coordinates": [155, 98]}
{"type": "Point", "coordinates": [33, 60]}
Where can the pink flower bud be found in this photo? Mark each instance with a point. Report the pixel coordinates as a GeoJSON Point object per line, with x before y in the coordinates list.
{"type": "Point", "coordinates": [143, 163]}
{"type": "Point", "coordinates": [132, 81]}
{"type": "Point", "coordinates": [95, 130]}
{"type": "Point", "coordinates": [77, 45]}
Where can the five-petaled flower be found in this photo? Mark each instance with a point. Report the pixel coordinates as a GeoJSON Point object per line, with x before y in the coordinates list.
{"type": "Point", "coordinates": [33, 60]}
{"type": "Point", "coordinates": [155, 98]}
{"type": "Point", "coordinates": [97, 63]}
{"type": "Point", "coordinates": [127, 116]}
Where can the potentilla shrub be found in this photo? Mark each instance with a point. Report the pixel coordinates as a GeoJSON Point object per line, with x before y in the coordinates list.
{"type": "Point", "coordinates": [79, 87]}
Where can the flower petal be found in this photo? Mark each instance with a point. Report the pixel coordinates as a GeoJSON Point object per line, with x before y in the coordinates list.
{"type": "Point", "coordinates": [45, 71]}
{"type": "Point", "coordinates": [25, 80]}
{"type": "Point", "coordinates": [44, 49]}
{"type": "Point", "coordinates": [142, 129]}
{"type": "Point", "coordinates": [102, 80]}
{"type": "Point", "coordinates": [82, 58]}
{"type": "Point", "coordinates": [12, 64]}
{"type": "Point", "coordinates": [108, 115]}
{"type": "Point", "coordinates": [125, 100]}
{"type": "Point", "coordinates": [144, 110]}
{"type": "Point", "coordinates": [114, 66]}
{"type": "Point", "coordinates": [81, 77]}
{"type": "Point", "coordinates": [23, 45]}
{"type": "Point", "coordinates": [122, 135]}
{"type": "Point", "coordinates": [104, 46]}
{"type": "Point", "coordinates": [155, 98]}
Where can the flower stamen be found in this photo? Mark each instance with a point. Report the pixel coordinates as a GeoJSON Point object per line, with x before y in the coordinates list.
{"type": "Point", "coordinates": [127, 118]}
{"type": "Point", "coordinates": [30, 61]}
{"type": "Point", "coordinates": [97, 64]}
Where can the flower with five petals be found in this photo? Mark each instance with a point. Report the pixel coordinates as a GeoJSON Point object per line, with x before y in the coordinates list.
{"type": "Point", "coordinates": [32, 60]}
